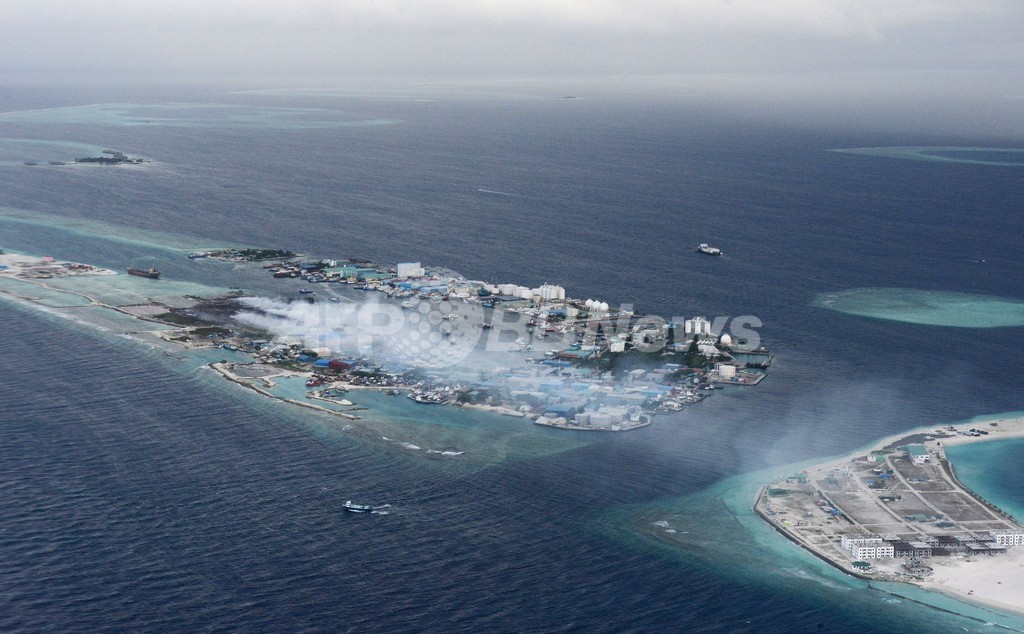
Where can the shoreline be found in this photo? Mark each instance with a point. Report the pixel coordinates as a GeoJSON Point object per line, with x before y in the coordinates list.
{"type": "Point", "coordinates": [225, 371]}
{"type": "Point", "coordinates": [974, 579]}
{"type": "Point", "coordinates": [547, 422]}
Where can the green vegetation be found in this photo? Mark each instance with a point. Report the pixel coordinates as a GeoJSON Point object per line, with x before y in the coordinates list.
{"type": "Point", "coordinates": [253, 255]}
{"type": "Point", "coordinates": [693, 357]}
{"type": "Point", "coordinates": [210, 330]}
{"type": "Point", "coordinates": [182, 319]}
{"type": "Point", "coordinates": [113, 158]}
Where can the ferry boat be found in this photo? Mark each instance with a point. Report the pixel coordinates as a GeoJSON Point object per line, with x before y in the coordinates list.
{"type": "Point", "coordinates": [151, 273]}
{"type": "Point", "coordinates": [708, 250]}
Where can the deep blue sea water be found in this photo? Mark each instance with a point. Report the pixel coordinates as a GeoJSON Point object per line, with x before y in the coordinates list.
{"type": "Point", "coordinates": [141, 493]}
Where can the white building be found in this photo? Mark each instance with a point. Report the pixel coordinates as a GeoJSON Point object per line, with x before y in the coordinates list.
{"type": "Point", "coordinates": [725, 370]}
{"type": "Point", "coordinates": [868, 547]}
{"type": "Point", "coordinates": [697, 326]}
{"type": "Point", "coordinates": [1007, 538]}
{"type": "Point", "coordinates": [410, 269]}
{"type": "Point", "coordinates": [550, 293]}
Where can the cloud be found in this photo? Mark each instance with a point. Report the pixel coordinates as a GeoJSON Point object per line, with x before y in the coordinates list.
{"type": "Point", "coordinates": [794, 17]}
{"type": "Point", "coordinates": [455, 36]}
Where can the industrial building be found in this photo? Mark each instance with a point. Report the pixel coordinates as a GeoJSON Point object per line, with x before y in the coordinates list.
{"type": "Point", "coordinates": [410, 269]}
{"type": "Point", "coordinates": [918, 454]}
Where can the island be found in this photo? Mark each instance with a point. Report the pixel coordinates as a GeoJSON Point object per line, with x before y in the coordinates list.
{"type": "Point", "coordinates": [443, 340]}
{"type": "Point", "coordinates": [898, 513]}
{"type": "Point", "coordinates": [523, 352]}
{"type": "Point", "coordinates": [113, 158]}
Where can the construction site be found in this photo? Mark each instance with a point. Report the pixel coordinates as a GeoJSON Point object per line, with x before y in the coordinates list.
{"type": "Point", "coordinates": [890, 512]}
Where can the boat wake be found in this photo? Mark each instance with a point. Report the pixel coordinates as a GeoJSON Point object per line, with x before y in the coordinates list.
{"type": "Point", "coordinates": [412, 447]}
{"type": "Point", "coordinates": [495, 192]}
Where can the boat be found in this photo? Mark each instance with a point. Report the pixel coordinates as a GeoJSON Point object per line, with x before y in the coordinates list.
{"type": "Point", "coordinates": [708, 250]}
{"type": "Point", "coordinates": [151, 273]}
{"type": "Point", "coordinates": [352, 507]}
{"type": "Point", "coordinates": [431, 397]}
{"type": "Point", "coordinates": [306, 291]}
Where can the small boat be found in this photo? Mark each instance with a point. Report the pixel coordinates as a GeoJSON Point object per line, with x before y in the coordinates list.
{"type": "Point", "coordinates": [151, 273]}
{"type": "Point", "coordinates": [307, 291]}
{"type": "Point", "coordinates": [708, 250]}
{"type": "Point", "coordinates": [352, 507]}
{"type": "Point", "coordinates": [431, 397]}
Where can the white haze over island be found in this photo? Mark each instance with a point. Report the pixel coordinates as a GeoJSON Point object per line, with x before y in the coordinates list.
{"type": "Point", "coordinates": [433, 334]}
{"type": "Point", "coordinates": [808, 61]}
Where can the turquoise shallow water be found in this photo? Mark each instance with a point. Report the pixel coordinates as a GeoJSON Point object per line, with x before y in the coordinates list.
{"type": "Point", "coordinates": [993, 470]}
{"type": "Point", "coordinates": [37, 231]}
{"type": "Point", "coordinates": [931, 308]}
{"type": "Point", "coordinates": [718, 526]}
{"type": "Point", "coordinates": [17, 152]}
{"type": "Point", "coordinates": [192, 115]}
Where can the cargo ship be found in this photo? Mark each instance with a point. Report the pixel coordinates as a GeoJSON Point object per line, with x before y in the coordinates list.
{"type": "Point", "coordinates": [151, 273]}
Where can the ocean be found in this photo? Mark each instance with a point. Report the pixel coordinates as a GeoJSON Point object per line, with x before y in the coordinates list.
{"type": "Point", "coordinates": [139, 491]}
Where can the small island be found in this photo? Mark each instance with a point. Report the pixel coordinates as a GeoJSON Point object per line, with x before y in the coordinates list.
{"type": "Point", "coordinates": [113, 158]}
{"type": "Point", "coordinates": [898, 513]}
{"type": "Point", "coordinates": [243, 255]}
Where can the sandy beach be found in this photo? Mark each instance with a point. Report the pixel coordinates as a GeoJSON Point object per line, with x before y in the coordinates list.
{"type": "Point", "coordinates": [994, 581]}
{"type": "Point", "coordinates": [990, 580]}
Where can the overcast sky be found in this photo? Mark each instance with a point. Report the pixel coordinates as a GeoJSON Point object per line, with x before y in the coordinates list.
{"type": "Point", "coordinates": [307, 39]}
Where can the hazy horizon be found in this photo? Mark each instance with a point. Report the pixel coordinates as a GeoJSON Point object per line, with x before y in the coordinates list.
{"type": "Point", "coordinates": [938, 65]}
